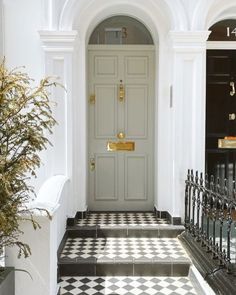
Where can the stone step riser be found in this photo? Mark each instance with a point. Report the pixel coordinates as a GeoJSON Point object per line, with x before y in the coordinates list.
{"type": "Point", "coordinates": [124, 269]}
{"type": "Point", "coordinates": [124, 233]}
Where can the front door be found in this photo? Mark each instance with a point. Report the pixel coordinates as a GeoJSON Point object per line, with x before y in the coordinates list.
{"type": "Point", "coordinates": [221, 112]}
{"type": "Point", "coordinates": [121, 127]}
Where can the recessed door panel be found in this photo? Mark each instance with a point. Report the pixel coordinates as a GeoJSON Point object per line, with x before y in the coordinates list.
{"type": "Point", "coordinates": [105, 177]}
{"type": "Point", "coordinates": [136, 109]}
{"type": "Point", "coordinates": [136, 67]}
{"type": "Point", "coordinates": [105, 111]}
{"type": "Point", "coordinates": [135, 177]}
{"type": "Point", "coordinates": [106, 66]}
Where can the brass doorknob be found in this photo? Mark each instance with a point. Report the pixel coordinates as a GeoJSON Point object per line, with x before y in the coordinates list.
{"type": "Point", "coordinates": [121, 135]}
{"type": "Point", "coordinates": [232, 117]}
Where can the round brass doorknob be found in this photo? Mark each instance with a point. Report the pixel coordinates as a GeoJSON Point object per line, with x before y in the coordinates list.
{"type": "Point", "coordinates": [121, 135]}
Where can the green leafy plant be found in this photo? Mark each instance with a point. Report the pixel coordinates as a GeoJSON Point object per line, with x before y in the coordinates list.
{"type": "Point", "coordinates": [25, 121]}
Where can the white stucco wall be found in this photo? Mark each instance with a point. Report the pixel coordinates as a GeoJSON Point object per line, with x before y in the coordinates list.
{"type": "Point", "coordinates": [22, 20]}
{"type": "Point", "coordinates": [22, 47]}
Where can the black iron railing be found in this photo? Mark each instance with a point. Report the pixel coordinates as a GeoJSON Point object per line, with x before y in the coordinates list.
{"type": "Point", "coordinates": [210, 216]}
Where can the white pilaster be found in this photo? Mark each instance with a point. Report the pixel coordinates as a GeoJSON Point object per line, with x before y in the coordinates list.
{"type": "Point", "coordinates": [188, 112]}
{"type": "Point", "coordinates": [64, 157]}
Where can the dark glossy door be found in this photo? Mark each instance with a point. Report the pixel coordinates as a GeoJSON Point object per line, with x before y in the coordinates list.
{"type": "Point", "coordinates": [220, 107]}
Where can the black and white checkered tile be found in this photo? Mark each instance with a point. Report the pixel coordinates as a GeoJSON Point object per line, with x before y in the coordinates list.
{"type": "Point", "coordinates": [123, 249]}
{"type": "Point", "coordinates": [126, 286]}
{"type": "Point", "coordinates": [122, 219]}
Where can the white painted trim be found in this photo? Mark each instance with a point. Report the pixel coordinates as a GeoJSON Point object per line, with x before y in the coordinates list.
{"type": "Point", "coordinates": [58, 41]}
{"type": "Point", "coordinates": [221, 45]}
{"type": "Point", "coordinates": [189, 41]}
{"type": "Point", "coordinates": [122, 47]}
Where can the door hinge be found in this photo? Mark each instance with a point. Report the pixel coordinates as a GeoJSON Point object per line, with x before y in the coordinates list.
{"type": "Point", "coordinates": [92, 99]}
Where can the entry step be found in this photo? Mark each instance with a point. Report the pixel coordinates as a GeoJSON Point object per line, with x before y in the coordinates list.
{"type": "Point", "coordinates": [124, 285]}
{"type": "Point", "coordinates": [124, 224]}
{"type": "Point", "coordinates": [121, 219]}
{"type": "Point", "coordinates": [123, 256]}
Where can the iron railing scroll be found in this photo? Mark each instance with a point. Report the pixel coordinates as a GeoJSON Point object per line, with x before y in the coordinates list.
{"type": "Point", "coordinates": [210, 216]}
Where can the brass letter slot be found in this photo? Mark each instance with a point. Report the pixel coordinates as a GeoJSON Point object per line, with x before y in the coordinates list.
{"type": "Point", "coordinates": [120, 146]}
{"type": "Point", "coordinates": [227, 143]}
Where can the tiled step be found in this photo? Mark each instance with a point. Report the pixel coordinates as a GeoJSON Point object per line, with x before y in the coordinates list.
{"type": "Point", "coordinates": [126, 286]}
{"type": "Point", "coordinates": [124, 224]}
{"type": "Point", "coordinates": [123, 256]}
{"type": "Point", "coordinates": [124, 253]}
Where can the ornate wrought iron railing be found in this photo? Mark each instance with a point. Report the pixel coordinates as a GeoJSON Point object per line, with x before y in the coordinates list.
{"type": "Point", "coordinates": [210, 216]}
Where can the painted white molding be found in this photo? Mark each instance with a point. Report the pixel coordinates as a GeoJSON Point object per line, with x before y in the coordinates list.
{"type": "Point", "coordinates": [221, 45]}
{"type": "Point", "coordinates": [86, 15]}
{"type": "Point", "coordinates": [188, 121]}
{"type": "Point", "coordinates": [173, 10]}
{"type": "Point", "coordinates": [123, 47]}
{"type": "Point", "coordinates": [211, 11]}
{"type": "Point", "coordinates": [58, 41]}
{"type": "Point", "coordinates": [179, 14]}
{"type": "Point", "coordinates": [59, 48]}
{"type": "Point", "coordinates": [189, 41]}
{"type": "Point", "coordinates": [219, 10]}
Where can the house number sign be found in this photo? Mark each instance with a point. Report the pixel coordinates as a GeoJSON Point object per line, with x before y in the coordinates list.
{"type": "Point", "coordinates": [230, 32]}
{"type": "Point", "coordinates": [223, 31]}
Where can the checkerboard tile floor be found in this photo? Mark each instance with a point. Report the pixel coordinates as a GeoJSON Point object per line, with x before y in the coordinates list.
{"type": "Point", "coordinates": [124, 249]}
{"type": "Point", "coordinates": [126, 286]}
{"type": "Point", "coordinates": [122, 219]}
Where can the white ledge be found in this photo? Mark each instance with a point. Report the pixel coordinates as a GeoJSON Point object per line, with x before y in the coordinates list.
{"type": "Point", "coordinates": [221, 45]}
{"type": "Point", "coordinates": [63, 41]}
{"type": "Point", "coordinates": [189, 40]}
{"type": "Point", "coordinates": [58, 36]}
{"type": "Point", "coordinates": [49, 195]}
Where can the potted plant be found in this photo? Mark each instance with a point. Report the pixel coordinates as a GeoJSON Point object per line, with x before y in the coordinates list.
{"type": "Point", "coordinates": [25, 121]}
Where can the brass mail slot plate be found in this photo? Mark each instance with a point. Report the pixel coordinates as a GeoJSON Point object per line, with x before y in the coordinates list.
{"type": "Point", "coordinates": [226, 143]}
{"type": "Point", "coordinates": [120, 146]}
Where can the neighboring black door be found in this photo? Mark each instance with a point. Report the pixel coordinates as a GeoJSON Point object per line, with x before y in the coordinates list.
{"type": "Point", "coordinates": [220, 110]}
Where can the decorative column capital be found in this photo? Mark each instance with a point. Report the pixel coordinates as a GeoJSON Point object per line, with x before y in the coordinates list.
{"type": "Point", "coordinates": [58, 41]}
{"type": "Point", "coordinates": [188, 40]}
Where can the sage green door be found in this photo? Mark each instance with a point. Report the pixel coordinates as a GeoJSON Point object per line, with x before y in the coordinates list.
{"type": "Point", "coordinates": [121, 110]}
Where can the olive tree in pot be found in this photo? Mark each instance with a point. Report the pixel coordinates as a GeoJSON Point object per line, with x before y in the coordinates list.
{"type": "Point", "coordinates": [25, 121]}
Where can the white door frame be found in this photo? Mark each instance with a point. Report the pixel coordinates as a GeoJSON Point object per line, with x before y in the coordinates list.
{"type": "Point", "coordinates": [70, 49]}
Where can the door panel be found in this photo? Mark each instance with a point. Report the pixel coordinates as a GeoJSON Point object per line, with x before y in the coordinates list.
{"type": "Point", "coordinates": [136, 66]}
{"type": "Point", "coordinates": [106, 66]}
{"type": "Point", "coordinates": [135, 177]}
{"type": "Point", "coordinates": [105, 110]}
{"type": "Point", "coordinates": [106, 177]}
{"type": "Point", "coordinates": [121, 180]}
{"type": "Point", "coordinates": [136, 111]}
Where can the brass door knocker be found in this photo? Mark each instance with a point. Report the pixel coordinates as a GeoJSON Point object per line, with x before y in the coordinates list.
{"type": "Point", "coordinates": [121, 92]}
